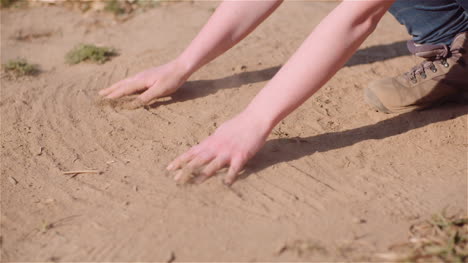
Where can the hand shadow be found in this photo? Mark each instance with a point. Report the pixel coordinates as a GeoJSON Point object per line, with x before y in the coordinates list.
{"type": "Point", "coordinates": [201, 88]}
{"type": "Point", "coordinates": [452, 87]}
{"type": "Point", "coordinates": [285, 150]}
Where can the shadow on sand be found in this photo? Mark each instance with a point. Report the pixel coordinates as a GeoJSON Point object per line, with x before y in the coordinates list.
{"type": "Point", "coordinates": [201, 88]}
{"type": "Point", "coordinates": [285, 150]}
{"type": "Point", "coordinates": [378, 53]}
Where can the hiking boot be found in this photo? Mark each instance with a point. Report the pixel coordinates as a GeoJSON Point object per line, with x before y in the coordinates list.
{"type": "Point", "coordinates": [443, 74]}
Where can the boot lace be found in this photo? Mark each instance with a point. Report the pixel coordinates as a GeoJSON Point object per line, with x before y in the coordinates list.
{"type": "Point", "coordinates": [434, 54]}
{"type": "Point", "coordinates": [438, 55]}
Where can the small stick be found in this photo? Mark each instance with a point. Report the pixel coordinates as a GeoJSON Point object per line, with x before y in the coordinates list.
{"type": "Point", "coordinates": [82, 172]}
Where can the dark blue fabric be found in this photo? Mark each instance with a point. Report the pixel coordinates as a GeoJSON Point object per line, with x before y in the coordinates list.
{"type": "Point", "coordinates": [464, 4]}
{"type": "Point", "coordinates": [432, 21]}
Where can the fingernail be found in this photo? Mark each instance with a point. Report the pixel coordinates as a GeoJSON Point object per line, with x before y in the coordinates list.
{"type": "Point", "coordinates": [170, 167]}
{"type": "Point", "coordinates": [227, 183]}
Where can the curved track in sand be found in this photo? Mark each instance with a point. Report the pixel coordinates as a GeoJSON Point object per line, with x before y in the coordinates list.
{"type": "Point", "coordinates": [325, 170]}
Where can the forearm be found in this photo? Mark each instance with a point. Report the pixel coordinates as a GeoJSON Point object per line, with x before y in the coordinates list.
{"type": "Point", "coordinates": [322, 54]}
{"type": "Point", "coordinates": [229, 24]}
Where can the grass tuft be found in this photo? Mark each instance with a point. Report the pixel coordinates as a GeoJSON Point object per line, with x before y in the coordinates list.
{"type": "Point", "coordinates": [115, 7]}
{"type": "Point", "coordinates": [13, 3]}
{"type": "Point", "coordinates": [20, 67]}
{"type": "Point", "coordinates": [440, 239]}
{"type": "Point", "coordinates": [126, 7]}
{"type": "Point", "coordinates": [302, 247]}
{"type": "Point", "coordinates": [149, 3]}
{"type": "Point", "coordinates": [7, 3]}
{"type": "Point", "coordinates": [86, 52]}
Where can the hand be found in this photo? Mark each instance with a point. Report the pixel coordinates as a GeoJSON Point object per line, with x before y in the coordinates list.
{"type": "Point", "coordinates": [233, 144]}
{"type": "Point", "coordinates": [155, 82]}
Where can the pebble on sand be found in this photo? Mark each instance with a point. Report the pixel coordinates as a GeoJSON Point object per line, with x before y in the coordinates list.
{"type": "Point", "coordinates": [12, 180]}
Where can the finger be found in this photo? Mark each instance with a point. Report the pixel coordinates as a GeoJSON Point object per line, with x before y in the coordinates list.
{"type": "Point", "coordinates": [184, 158]}
{"type": "Point", "coordinates": [234, 170]}
{"type": "Point", "coordinates": [194, 166]}
{"type": "Point", "coordinates": [200, 160]}
{"type": "Point", "coordinates": [201, 178]}
{"type": "Point", "coordinates": [126, 88]}
{"type": "Point", "coordinates": [184, 175]}
{"type": "Point", "coordinates": [134, 104]}
{"type": "Point", "coordinates": [150, 94]}
{"type": "Point", "coordinates": [213, 167]}
{"type": "Point", "coordinates": [107, 91]}
{"type": "Point", "coordinates": [114, 87]}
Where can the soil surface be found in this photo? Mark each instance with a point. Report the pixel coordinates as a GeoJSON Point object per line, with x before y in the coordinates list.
{"type": "Point", "coordinates": [335, 181]}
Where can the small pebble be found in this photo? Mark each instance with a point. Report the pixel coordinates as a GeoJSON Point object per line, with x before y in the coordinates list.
{"type": "Point", "coordinates": [12, 180]}
{"type": "Point", "coordinates": [359, 221]}
{"type": "Point", "coordinates": [171, 257]}
{"type": "Point", "coordinates": [49, 200]}
{"type": "Point", "coordinates": [54, 259]}
{"type": "Point", "coordinates": [39, 152]}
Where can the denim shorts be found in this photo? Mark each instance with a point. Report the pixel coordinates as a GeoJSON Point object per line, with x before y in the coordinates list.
{"type": "Point", "coordinates": [432, 21]}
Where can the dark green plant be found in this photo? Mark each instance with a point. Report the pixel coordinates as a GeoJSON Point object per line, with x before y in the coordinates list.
{"type": "Point", "coordinates": [6, 3]}
{"type": "Point", "coordinates": [86, 52]}
{"type": "Point", "coordinates": [20, 67]}
{"type": "Point", "coordinates": [148, 3]}
{"type": "Point", "coordinates": [13, 3]}
{"type": "Point", "coordinates": [115, 7]}
{"type": "Point", "coordinates": [440, 239]}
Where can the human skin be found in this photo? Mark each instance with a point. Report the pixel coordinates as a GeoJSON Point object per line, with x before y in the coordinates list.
{"type": "Point", "coordinates": [321, 55]}
{"type": "Point", "coordinates": [229, 24]}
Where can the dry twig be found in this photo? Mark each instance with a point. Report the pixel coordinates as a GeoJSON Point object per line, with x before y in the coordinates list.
{"type": "Point", "coordinates": [82, 172]}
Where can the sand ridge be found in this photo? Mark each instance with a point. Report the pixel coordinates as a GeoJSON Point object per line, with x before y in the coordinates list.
{"type": "Point", "coordinates": [348, 179]}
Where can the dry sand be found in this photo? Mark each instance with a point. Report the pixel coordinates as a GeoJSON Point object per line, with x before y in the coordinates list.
{"type": "Point", "coordinates": [342, 179]}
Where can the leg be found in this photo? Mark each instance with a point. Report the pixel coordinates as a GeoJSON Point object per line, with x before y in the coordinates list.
{"type": "Point", "coordinates": [440, 36]}
{"type": "Point", "coordinates": [464, 4]}
{"type": "Point", "coordinates": [432, 21]}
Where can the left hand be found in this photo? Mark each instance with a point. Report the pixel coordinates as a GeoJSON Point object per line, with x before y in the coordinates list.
{"type": "Point", "coordinates": [155, 83]}
{"type": "Point", "coordinates": [232, 144]}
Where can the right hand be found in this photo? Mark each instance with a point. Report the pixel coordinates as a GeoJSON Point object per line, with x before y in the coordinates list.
{"type": "Point", "coordinates": [155, 82]}
{"type": "Point", "coordinates": [233, 144]}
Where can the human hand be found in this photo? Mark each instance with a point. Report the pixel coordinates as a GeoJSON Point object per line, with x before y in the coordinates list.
{"type": "Point", "coordinates": [232, 144]}
{"type": "Point", "coordinates": [155, 82]}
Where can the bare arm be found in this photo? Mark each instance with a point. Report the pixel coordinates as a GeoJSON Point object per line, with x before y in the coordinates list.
{"type": "Point", "coordinates": [229, 24]}
{"type": "Point", "coordinates": [322, 54]}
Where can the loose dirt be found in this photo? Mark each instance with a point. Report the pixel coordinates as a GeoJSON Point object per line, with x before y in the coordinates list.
{"type": "Point", "coordinates": [335, 181]}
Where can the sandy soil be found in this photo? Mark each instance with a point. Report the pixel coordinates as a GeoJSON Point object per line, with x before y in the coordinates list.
{"type": "Point", "coordinates": [343, 179]}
